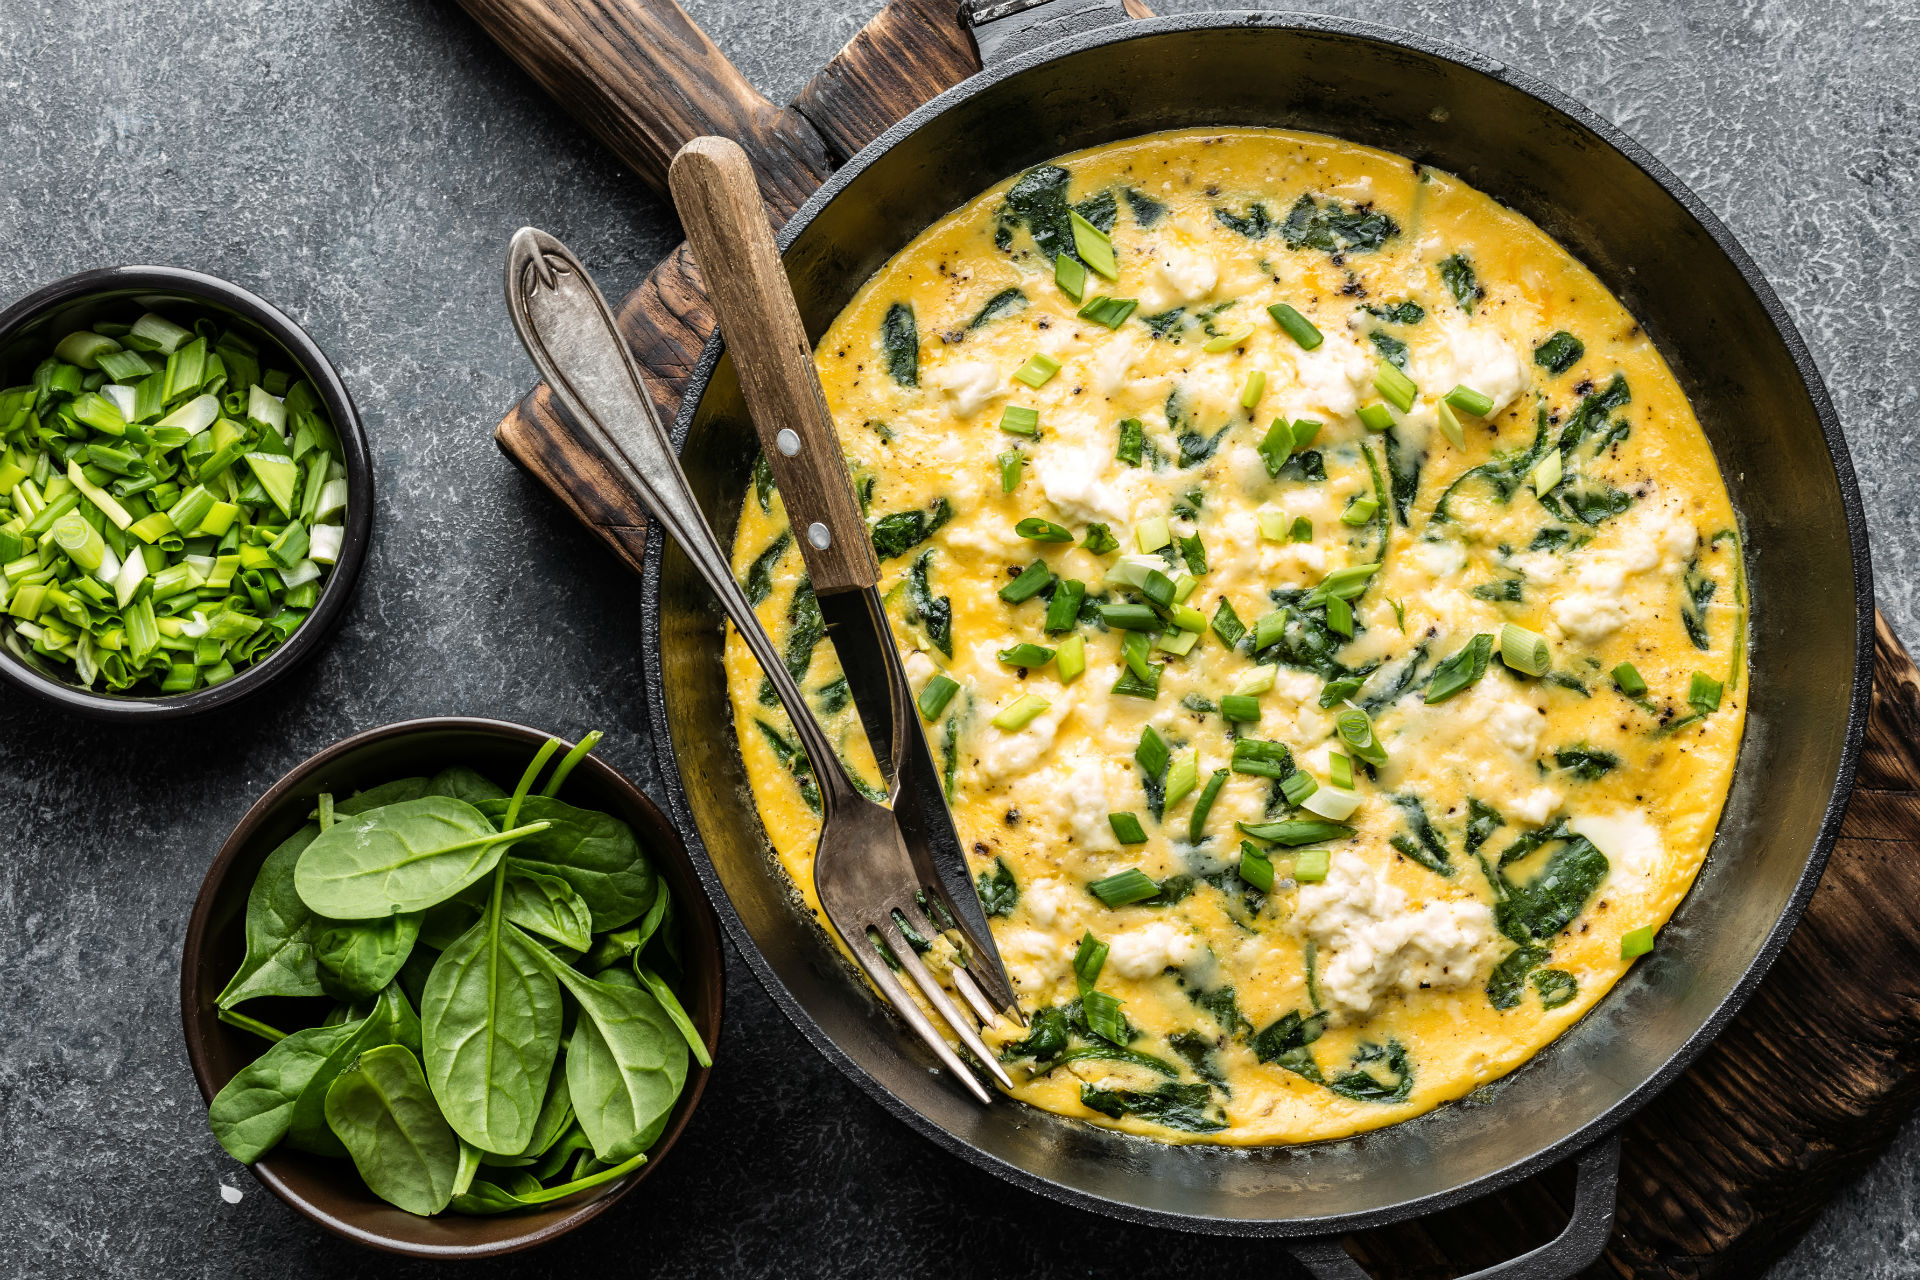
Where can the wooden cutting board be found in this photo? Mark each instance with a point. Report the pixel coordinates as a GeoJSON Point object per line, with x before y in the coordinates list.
{"type": "Point", "coordinates": [1726, 1169]}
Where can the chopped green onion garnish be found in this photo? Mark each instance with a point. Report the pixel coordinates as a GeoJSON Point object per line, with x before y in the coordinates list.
{"type": "Point", "coordinates": [1272, 521]}
{"type": "Point", "coordinates": [1461, 670]}
{"type": "Point", "coordinates": [1340, 770]}
{"type": "Point", "coordinates": [1628, 677]}
{"type": "Point", "coordinates": [1302, 529]}
{"type": "Point", "coordinates": [1157, 587]}
{"type": "Point", "coordinates": [1310, 866]}
{"type": "Point", "coordinates": [1339, 616]}
{"type": "Point", "coordinates": [1127, 828]}
{"type": "Point", "coordinates": [1295, 831]}
{"type": "Point", "coordinates": [1703, 693]}
{"type": "Point", "coordinates": [1152, 754]}
{"type": "Point", "coordinates": [1027, 654]}
{"type": "Point", "coordinates": [1111, 312]}
{"type": "Point", "coordinates": [1031, 582]}
{"type": "Point", "coordinates": [1064, 609]}
{"type": "Point", "coordinates": [1227, 341]}
{"type": "Point", "coordinates": [1104, 1019]}
{"type": "Point", "coordinates": [1467, 400]}
{"type": "Point", "coordinates": [1332, 803]}
{"type": "Point", "coordinates": [1297, 786]}
{"type": "Point", "coordinates": [1183, 775]}
{"type": "Point", "coordinates": [1356, 730]}
{"type": "Point", "coordinates": [1038, 369]}
{"type": "Point", "coordinates": [1100, 540]}
{"type": "Point", "coordinates": [1359, 511]}
{"type": "Point", "coordinates": [1376, 416]}
{"type": "Point", "coordinates": [1021, 712]}
{"type": "Point", "coordinates": [1038, 530]}
{"type": "Point", "coordinates": [1012, 463]}
{"type": "Point", "coordinates": [1297, 326]}
{"type": "Point", "coordinates": [1133, 442]}
{"type": "Point", "coordinates": [1178, 643]}
{"type": "Point", "coordinates": [1256, 868]}
{"type": "Point", "coordinates": [1394, 386]}
{"type": "Point", "coordinates": [1070, 659]}
{"type": "Point", "coordinates": [1131, 684]}
{"type": "Point", "coordinates": [1304, 430]}
{"type": "Point", "coordinates": [1019, 421]}
{"type": "Point", "coordinates": [1152, 533]}
{"type": "Point", "coordinates": [1268, 628]}
{"type": "Point", "coordinates": [1227, 624]}
{"type": "Point", "coordinates": [1123, 887]}
{"type": "Point", "coordinates": [1262, 759]}
{"type": "Point", "coordinates": [1450, 425]}
{"type": "Point", "coordinates": [1197, 821]}
{"type": "Point", "coordinates": [1070, 275]}
{"type": "Point", "coordinates": [1253, 389]}
{"type": "Point", "coordinates": [935, 695]}
{"type": "Point", "coordinates": [1636, 943]}
{"type": "Point", "coordinates": [1255, 682]}
{"type": "Point", "coordinates": [1345, 584]}
{"type": "Point", "coordinates": [1241, 708]}
{"type": "Point", "coordinates": [1134, 650]}
{"type": "Point", "coordinates": [1094, 247]}
{"type": "Point", "coordinates": [1131, 617]}
{"type": "Point", "coordinates": [1523, 650]}
{"type": "Point", "coordinates": [1548, 472]}
{"type": "Point", "coordinates": [1088, 959]}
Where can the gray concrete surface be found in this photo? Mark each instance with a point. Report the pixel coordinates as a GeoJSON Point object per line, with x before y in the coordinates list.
{"type": "Point", "coordinates": [361, 164]}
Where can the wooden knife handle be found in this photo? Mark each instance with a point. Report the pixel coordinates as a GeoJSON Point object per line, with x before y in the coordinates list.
{"type": "Point", "coordinates": [643, 78]}
{"type": "Point", "coordinates": [726, 223]}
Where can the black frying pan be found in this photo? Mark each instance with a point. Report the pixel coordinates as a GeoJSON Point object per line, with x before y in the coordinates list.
{"type": "Point", "coordinates": [1758, 396]}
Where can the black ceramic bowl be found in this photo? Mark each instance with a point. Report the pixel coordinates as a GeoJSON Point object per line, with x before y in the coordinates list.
{"type": "Point", "coordinates": [28, 330]}
{"type": "Point", "coordinates": [329, 1191]}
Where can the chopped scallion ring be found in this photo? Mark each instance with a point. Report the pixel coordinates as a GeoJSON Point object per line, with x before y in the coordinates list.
{"type": "Point", "coordinates": [1019, 421]}
{"type": "Point", "coordinates": [1110, 312]}
{"type": "Point", "coordinates": [1356, 730]}
{"type": "Point", "coordinates": [1523, 650]}
{"type": "Point", "coordinates": [1297, 786]}
{"type": "Point", "coordinates": [1031, 582]}
{"type": "Point", "coordinates": [1339, 616]}
{"type": "Point", "coordinates": [1297, 326]}
{"type": "Point", "coordinates": [1255, 387]}
{"type": "Point", "coordinates": [1123, 887]}
{"type": "Point", "coordinates": [1240, 708]}
{"type": "Point", "coordinates": [1273, 523]}
{"type": "Point", "coordinates": [935, 695]}
{"type": "Point", "coordinates": [1127, 828]}
{"type": "Point", "coordinates": [1070, 275]}
{"type": "Point", "coordinates": [1703, 693]}
{"type": "Point", "coordinates": [1335, 804]}
{"type": "Point", "coordinates": [1359, 511]}
{"type": "Point", "coordinates": [1038, 370]}
{"type": "Point", "coordinates": [1628, 677]}
{"type": "Point", "coordinates": [1131, 618]}
{"type": "Point", "coordinates": [1376, 417]}
{"type": "Point", "coordinates": [1183, 775]}
{"type": "Point", "coordinates": [1450, 425]}
{"type": "Point", "coordinates": [1637, 942]}
{"type": "Point", "coordinates": [1256, 868]}
{"type": "Point", "coordinates": [1070, 659]}
{"type": "Point", "coordinates": [1094, 246]}
{"type": "Point", "coordinates": [1038, 530]}
{"type": "Point", "coordinates": [1178, 643]}
{"type": "Point", "coordinates": [1340, 770]}
{"type": "Point", "coordinates": [1302, 529]}
{"type": "Point", "coordinates": [1026, 654]}
{"type": "Point", "coordinates": [1021, 712]}
{"type": "Point", "coordinates": [1088, 960]}
{"type": "Point", "coordinates": [1255, 682]}
{"type": "Point", "coordinates": [1152, 533]}
{"type": "Point", "coordinates": [1261, 759]}
{"type": "Point", "coordinates": [1467, 400]}
{"type": "Point", "coordinates": [1394, 386]}
{"type": "Point", "coordinates": [1294, 832]}
{"type": "Point", "coordinates": [1064, 609]}
{"type": "Point", "coordinates": [1227, 341]}
{"type": "Point", "coordinates": [1548, 472]}
{"type": "Point", "coordinates": [1311, 866]}
{"type": "Point", "coordinates": [1012, 463]}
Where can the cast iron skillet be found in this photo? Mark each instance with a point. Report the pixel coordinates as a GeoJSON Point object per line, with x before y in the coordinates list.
{"type": "Point", "coordinates": [1759, 398]}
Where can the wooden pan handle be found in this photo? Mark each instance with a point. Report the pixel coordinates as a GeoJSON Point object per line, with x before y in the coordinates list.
{"type": "Point", "coordinates": [645, 79]}
{"type": "Point", "coordinates": [719, 201]}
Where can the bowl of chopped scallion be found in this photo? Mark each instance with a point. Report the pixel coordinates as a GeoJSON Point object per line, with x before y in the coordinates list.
{"type": "Point", "coordinates": [473, 1047]}
{"type": "Point", "coordinates": [186, 496]}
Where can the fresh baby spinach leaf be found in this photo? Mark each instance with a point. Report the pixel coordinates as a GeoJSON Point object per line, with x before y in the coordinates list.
{"type": "Point", "coordinates": [279, 931]}
{"type": "Point", "coordinates": [384, 1115]}
{"type": "Point", "coordinates": [547, 906]}
{"type": "Point", "coordinates": [463, 783]}
{"type": "Point", "coordinates": [491, 1198]}
{"type": "Point", "coordinates": [384, 794]}
{"type": "Point", "coordinates": [400, 857]}
{"type": "Point", "coordinates": [490, 1028]}
{"type": "Point", "coordinates": [250, 1114]}
{"type": "Point", "coordinates": [594, 852]}
{"type": "Point", "coordinates": [356, 958]}
{"type": "Point", "coordinates": [390, 1020]}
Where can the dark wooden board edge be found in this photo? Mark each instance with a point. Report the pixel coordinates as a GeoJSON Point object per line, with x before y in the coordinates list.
{"type": "Point", "coordinates": [1725, 1170]}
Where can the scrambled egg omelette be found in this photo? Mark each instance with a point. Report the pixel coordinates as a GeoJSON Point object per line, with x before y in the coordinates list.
{"type": "Point", "coordinates": [1323, 604]}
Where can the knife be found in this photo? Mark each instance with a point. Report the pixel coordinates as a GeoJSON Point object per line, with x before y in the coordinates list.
{"type": "Point", "coordinates": [726, 224]}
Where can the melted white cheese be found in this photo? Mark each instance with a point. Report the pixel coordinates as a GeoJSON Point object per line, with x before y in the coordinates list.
{"type": "Point", "coordinates": [1371, 946]}
{"type": "Point", "coordinates": [969, 384]}
{"type": "Point", "coordinates": [1143, 952]}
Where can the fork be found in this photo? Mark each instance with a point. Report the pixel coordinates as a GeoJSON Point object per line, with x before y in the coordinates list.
{"type": "Point", "coordinates": [865, 876]}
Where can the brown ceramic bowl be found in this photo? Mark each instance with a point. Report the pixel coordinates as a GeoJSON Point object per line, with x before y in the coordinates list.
{"type": "Point", "coordinates": [329, 1191]}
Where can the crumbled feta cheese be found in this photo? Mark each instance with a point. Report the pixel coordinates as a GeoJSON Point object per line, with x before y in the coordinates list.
{"type": "Point", "coordinates": [1514, 724]}
{"type": "Point", "coordinates": [1480, 358]}
{"type": "Point", "coordinates": [1112, 365]}
{"type": "Point", "coordinates": [1371, 945]}
{"type": "Point", "coordinates": [1588, 617]}
{"type": "Point", "coordinates": [1008, 755]}
{"type": "Point", "coordinates": [1330, 380]}
{"type": "Point", "coordinates": [1439, 559]}
{"type": "Point", "coordinates": [1679, 538]}
{"type": "Point", "coordinates": [920, 668]}
{"type": "Point", "coordinates": [1537, 805]}
{"type": "Point", "coordinates": [1632, 843]}
{"type": "Point", "coordinates": [1046, 901]}
{"type": "Point", "coordinates": [1179, 277]}
{"type": "Point", "coordinates": [1085, 482]}
{"type": "Point", "coordinates": [1143, 952]}
{"type": "Point", "coordinates": [968, 383]}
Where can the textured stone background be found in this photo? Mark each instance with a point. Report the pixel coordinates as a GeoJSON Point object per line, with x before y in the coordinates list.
{"type": "Point", "coordinates": [361, 164]}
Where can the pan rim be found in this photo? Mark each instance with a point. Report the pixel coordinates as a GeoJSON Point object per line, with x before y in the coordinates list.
{"type": "Point", "coordinates": [1860, 691]}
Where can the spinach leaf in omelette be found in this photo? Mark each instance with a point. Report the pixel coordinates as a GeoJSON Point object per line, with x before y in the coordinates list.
{"type": "Point", "coordinates": [1336, 228]}
{"type": "Point", "coordinates": [1186, 1107]}
{"type": "Point", "coordinates": [1037, 200]}
{"type": "Point", "coordinates": [900, 344]}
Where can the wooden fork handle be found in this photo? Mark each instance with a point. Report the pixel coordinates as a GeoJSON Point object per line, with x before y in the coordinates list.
{"type": "Point", "coordinates": [719, 201]}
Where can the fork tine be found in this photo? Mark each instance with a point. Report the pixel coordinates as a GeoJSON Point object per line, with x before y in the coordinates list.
{"type": "Point", "coordinates": [937, 997]}
{"type": "Point", "coordinates": [970, 992]}
{"type": "Point", "coordinates": [903, 1004]}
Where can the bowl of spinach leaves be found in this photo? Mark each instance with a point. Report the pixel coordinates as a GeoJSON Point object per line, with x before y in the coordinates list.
{"type": "Point", "coordinates": [451, 987]}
